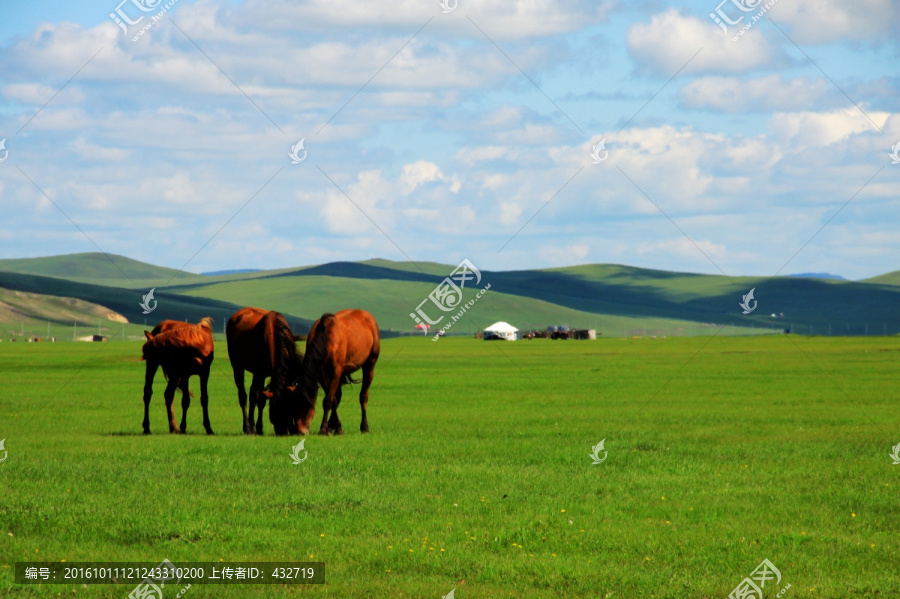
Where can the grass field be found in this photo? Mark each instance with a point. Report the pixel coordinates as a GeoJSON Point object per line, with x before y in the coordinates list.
{"type": "Point", "coordinates": [722, 451]}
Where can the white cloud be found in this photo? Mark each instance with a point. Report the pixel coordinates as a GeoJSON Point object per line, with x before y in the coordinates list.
{"type": "Point", "coordinates": [417, 173]}
{"type": "Point", "coordinates": [518, 20]}
{"type": "Point", "coordinates": [510, 213]}
{"type": "Point", "coordinates": [94, 152]}
{"type": "Point", "coordinates": [826, 21]}
{"type": "Point", "coordinates": [565, 255]}
{"type": "Point", "coordinates": [683, 246]}
{"type": "Point", "coordinates": [38, 94]}
{"type": "Point", "coordinates": [472, 156]}
{"type": "Point", "coordinates": [818, 129]}
{"type": "Point", "coordinates": [666, 43]}
{"type": "Point", "coordinates": [762, 94]}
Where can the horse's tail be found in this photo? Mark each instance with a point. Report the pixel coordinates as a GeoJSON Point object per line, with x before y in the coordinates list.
{"type": "Point", "coordinates": [346, 378]}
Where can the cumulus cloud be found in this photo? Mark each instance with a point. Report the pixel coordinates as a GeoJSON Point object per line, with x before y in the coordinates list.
{"type": "Point", "coordinates": [818, 129]}
{"type": "Point", "coordinates": [665, 44]}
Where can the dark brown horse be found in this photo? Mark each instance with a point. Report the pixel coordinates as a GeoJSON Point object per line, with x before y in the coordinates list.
{"type": "Point", "coordinates": [182, 350]}
{"type": "Point", "coordinates": [262, 342]}
{"type": "Point", "coordinates": [338, 345]}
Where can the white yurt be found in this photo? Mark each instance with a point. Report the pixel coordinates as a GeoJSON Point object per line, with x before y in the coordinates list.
{"type": "Point", "coordinates": [501, 330]}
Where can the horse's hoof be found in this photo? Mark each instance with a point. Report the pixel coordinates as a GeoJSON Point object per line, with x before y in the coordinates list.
{"type": "Point", "coordinates": [209, 431]}
{"type": "Point", "coordinates": [146, 431]}
{"type": "Point", "coordinates": [339, 431]}
{"type": "Point", "coordinates": [323, 431]}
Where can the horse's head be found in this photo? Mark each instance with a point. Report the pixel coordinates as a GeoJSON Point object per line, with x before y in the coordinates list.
{"type": "Point", "coordinates": [291, 413]}
{"type": "Point", "coordinates": [147, 346]}
{"type": "Point", "coordinates": [303, 408]}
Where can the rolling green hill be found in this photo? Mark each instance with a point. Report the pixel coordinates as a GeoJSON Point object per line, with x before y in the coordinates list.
{"type": "Point", "coordinates": [26, 315]}
{"type": "Point", "coordinates": [581, 296]}
{"type": "Point", "coordinates": [891, 278]}
{"type": "Point", "coordinates": [617, 300]}
{"type": "Point", "coordinates": [391, 302]}
{"type": "Point", "coordinates": [92, 266]}
{"type": "Point", "coordinates": [127, 301]}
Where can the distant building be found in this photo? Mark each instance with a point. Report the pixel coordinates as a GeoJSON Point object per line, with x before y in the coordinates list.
{"type": "Point", "coordinates": [501, 330]}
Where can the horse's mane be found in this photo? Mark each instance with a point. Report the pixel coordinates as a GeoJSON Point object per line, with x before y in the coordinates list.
{"type": "Point", "coordinates": [316, 353]}
{"type": "Point", "coordinates": [287, 359]}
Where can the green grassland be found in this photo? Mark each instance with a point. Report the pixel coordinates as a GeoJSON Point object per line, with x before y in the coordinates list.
{"type": "Point", "coordinates": [722, 451]}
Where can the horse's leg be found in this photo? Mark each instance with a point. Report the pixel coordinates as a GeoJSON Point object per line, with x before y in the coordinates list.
{"type": "Point", "coordinates": [242, 395]}
{"type": "Point", "coordinates": [260, 408]}
{"type": "Point", "coordinates": [204, 398]}
{"type": "Point", "coordinates": [334, 423]}
{"type": "Point", "coordinates": [328, 402]}
{"type": "Point", "coordinates": [256, 396]}
{"type": "Point", "coordinates": [148, 392]}
{"type": "Point", "coordinates": [368, 375]}
{"type": "Point", "coordinates": [326, 407]}
{"type": "Point", "coordinates": [169, 394]}
{"type": "Point", "coordinates": [185, 401]}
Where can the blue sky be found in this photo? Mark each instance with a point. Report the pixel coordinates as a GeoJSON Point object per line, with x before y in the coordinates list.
{"type": "Point", "coordinates": [470, 139]}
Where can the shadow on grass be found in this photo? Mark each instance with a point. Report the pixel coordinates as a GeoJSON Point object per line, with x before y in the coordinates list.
{"type": "Point", "coordinates": [187, 434]}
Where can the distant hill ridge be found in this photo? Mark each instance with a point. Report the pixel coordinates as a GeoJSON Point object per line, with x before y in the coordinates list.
{"type": "Point", "coordinates": [234, 271]}
{"type": "Point", "coordinates": [818, 275]}
{"type": "Point", "coordinates": [87, 266]}
{"type": "Point", "coordinates": [608, 296]}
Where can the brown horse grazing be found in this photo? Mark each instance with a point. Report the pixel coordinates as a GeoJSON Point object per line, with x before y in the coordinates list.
{"type": "Point", "coordinates": [262, 342]}
{"type": "Point", "coordinates": [338, 345]}
{"type": "Point", "coordinates": [182, 350]}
